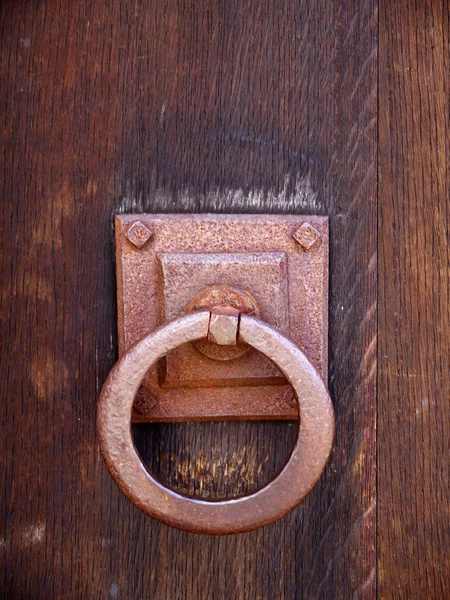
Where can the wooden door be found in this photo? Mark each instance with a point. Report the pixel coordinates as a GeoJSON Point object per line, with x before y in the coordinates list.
{"type": "Point", "coordinates": [331, 108]}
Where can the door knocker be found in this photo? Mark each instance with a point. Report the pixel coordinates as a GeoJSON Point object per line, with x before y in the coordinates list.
{"type": "Point", "coordinates": [211, 309]}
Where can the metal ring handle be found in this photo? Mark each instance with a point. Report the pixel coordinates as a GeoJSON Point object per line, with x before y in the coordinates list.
{"type": "Point", "coordinates": [296, 479]}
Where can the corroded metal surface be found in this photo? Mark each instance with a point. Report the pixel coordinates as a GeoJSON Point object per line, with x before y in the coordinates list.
{"type": "Point", "coordinates": [138, 234]}
{"type": "Point", "coordinates": [262, 276]}
{"type": "Point", "coordinates": [287, 490]}
{"type": "Point", "coordinates": [227, 296]}
{"type": "Point", "coordinates": [256, 254]}
{"type": "Point", "coordinates": [306, 235]}
{"type": "Point", "coordinates": [223, 329]}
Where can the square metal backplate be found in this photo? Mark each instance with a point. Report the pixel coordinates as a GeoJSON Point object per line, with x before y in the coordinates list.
{"type": "Point", "coordinates": [164, 261]}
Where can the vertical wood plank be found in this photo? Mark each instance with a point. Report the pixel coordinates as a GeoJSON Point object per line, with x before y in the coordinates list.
{"type": "Point", "coordinates": [336, 542]}
{"type": "Point", "coordinates": [414, 411]}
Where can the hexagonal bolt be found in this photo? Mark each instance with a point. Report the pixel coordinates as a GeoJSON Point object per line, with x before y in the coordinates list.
{"type": "Point", "coordinates": [223, 329]}
{"type": "Point", "coordinates": [138, 234]}
{"type": "Point", "coordinates": [306, 235]}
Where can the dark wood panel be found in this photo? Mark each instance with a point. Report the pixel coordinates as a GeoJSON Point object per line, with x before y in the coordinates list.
{"type": "Point", "coordinates": [414, 412]}
{"type": "Point", "coordinates": [177, 106]}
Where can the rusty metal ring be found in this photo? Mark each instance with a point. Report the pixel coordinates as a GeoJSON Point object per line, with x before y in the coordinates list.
{"type": "Point", "coordinates": [293, 483]}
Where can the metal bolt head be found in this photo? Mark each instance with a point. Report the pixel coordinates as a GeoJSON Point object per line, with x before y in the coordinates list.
{"type": "Point", "coordinates": [138, 234]}
{"type": "Point", "coordinates": [223, 329]}
{"type": "Point", "coordinates": [224, 299]}
{"type": "Point", "coordinates": [306, 235]}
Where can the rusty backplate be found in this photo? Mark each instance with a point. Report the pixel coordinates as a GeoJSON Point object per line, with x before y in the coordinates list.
{"type": "Point", "coordinates": [272, 266]}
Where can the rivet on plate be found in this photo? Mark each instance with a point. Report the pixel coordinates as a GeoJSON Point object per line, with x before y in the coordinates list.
{"type": "Point", "coordinates": [138, 234]}
{"type": "Point", "coordinates": [306, 235]}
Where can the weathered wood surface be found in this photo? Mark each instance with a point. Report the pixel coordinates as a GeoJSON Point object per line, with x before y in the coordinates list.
{"type": "Point", "coordinates": [177, 106]}
{"type": "Point", "coordinates": [414, 320]}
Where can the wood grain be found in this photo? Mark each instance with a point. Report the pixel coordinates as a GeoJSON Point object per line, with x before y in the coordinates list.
{"type": "Point", "coordinates": [414, 324]}
{"type": "Point", "coordinates": [177, 106]}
